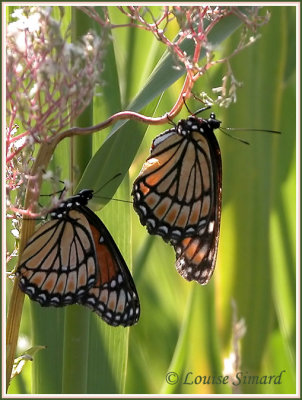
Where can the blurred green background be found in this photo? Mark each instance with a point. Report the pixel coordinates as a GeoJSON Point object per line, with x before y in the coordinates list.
{"type": "Point", "coordinates": [185, 327]}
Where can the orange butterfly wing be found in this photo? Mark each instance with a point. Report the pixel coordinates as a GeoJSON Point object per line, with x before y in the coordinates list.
{"type": "Point", "coordinates": [113, 297]}
{"type": "Point", "coordinates": [59, 263]}
{"type": "Point", "coordinates": [177, 194]}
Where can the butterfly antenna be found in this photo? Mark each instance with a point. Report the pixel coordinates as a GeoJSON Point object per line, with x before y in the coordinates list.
{"type": "Point", "coordinates": [253, 130]}
{"type": "Point", "coordinates": [200, 110]}
{"type": "Point", "coordinates": [233, 137]}
{"type": "Point", "coordinates": [110, 180]}
{"type": "Point", "coordinates": [170, 120]}
{"type": "Point", "coordinates": [51, 194]}
{"type": "Point", "coordinates": [113, 198]}
{"type": "Point", "coordinates": [184, 100]}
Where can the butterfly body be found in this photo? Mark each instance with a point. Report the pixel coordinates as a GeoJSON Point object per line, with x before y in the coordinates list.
{"type": "Point", "coordinates": [73, 259]}
{"type": "Point", "coordinates": [177, 194]}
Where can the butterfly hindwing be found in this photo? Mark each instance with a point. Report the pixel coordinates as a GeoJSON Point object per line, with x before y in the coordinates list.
{"type": "Point", "coordinates": [114, 297]}
{"type": "Point", "coordinates": [196, 255]}
{"type": "Point", "coordinates": [177, 194]}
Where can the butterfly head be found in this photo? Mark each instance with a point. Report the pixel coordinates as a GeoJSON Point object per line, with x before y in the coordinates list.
{"type": "Point", "coordinates": [85, 195]}
{"type": "Point", "coordinates": [213, 122]}
{"type": "Point", "coordinates": [192, 124]}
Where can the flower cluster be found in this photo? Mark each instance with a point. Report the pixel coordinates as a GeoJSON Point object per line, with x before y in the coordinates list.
{"type": "Point", "coordinates": [195, 25]}
{"type": "Point", "coordinates": [50, 81]}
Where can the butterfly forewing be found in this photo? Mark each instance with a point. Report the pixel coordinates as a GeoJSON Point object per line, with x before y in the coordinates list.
{"type": "Point", "coordinates": [59, 262]}
{"type": "Point", "coordinates": [177, 194]}
{"type": "Point", "coordinates": [173, 193]}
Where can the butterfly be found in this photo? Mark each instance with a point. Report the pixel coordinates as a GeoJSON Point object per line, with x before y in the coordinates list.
{"type": "Point", "coordinates": [72, 258]}
{"type": "Point", "coordinates": [177, 194]}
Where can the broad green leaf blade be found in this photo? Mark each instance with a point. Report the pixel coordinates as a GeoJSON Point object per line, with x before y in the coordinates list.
{"type": "Point", "coordinates": [47, 330]}
{"type": "Point", "coordinates": [114, 157]}
{"type": "Point", "coordinates": [108, 346]}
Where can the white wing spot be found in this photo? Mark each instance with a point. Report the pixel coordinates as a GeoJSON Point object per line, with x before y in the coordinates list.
{"type": "Point", "coordinates": [55, 300]}
{"type": "Point", "coordinates": [30, 289]}
{"type": "Point", "coordinates": [163, 229]}
{"type": "Point", "coordinates": [151, 222]}
{"type": "Point", "coordinates": [211, 227]}
{"type": "Point", "coordinates": [176, 233]}
{"type": "Point", "coordinates": [201, 231]}
{"type": "Point", "coordinates": [178, 251]}
{"type": "Point", "coordinates": [143, 210]}
{"type": "Point", "coordinates": [91, 280]}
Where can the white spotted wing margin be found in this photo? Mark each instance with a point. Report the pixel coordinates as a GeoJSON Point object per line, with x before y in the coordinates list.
{"type": "Point", "coordinates": [196, 256]}
{"type": "Point", "coordinates": [59, 262]}
{"type": "Point", "coordinates": [114, 297]}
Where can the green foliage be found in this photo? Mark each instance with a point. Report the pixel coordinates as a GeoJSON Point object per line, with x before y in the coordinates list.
{"type": "Point", "coordinates": [183, 326]}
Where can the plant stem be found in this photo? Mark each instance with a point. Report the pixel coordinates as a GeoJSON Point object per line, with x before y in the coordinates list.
{"type": "Point", "coordinates": [17, 299]}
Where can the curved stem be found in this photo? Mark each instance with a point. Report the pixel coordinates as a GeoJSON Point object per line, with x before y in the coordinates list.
{"type": "Point", "coordinates": [17, 299]}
